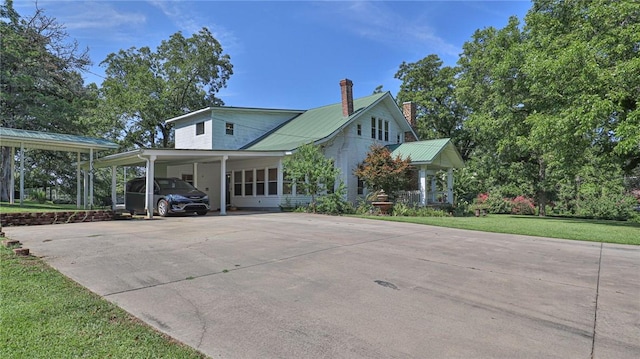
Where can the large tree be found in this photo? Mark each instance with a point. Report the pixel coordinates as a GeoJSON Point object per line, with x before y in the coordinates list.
{"type": "Point", "coordinates": [144, 88]}
{"type": "Point", "coordinates": [439, 114]}
{"type": "Point", "coordinates": [546, 96]}
{"type": "Point", "coordinates": [40, 88]}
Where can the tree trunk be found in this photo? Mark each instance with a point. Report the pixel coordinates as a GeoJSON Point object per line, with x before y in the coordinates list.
{"type": "Point", "coordinates": [5, 174]}
{"type": "Point", "coordinates": [542, 192]}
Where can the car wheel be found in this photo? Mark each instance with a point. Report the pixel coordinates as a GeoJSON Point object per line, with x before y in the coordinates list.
{"type": "Point", "coordinates": [163, 208]}
{"type": "Point", "coordinates": [202, 213]}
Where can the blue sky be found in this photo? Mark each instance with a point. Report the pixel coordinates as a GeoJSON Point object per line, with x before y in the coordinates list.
{"type": "Point", "coordinates": [287, 54]}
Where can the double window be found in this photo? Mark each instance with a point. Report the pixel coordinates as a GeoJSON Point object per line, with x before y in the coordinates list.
{"type": "Point", "coordinates": [379, 129]}
{"type": "Point", "coordinates": [259, 181]}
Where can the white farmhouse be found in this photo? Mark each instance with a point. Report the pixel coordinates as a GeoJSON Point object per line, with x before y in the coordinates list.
{"type": "Point", "coordinates": [235, 153]}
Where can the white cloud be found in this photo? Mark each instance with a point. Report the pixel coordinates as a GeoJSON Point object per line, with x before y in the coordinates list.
{"type": "Point", "coordinates": [187, 19]}
{"type": "Point", "coordinates": [377, 21]}
{"type": "Point", "coordinates": [101, 15]}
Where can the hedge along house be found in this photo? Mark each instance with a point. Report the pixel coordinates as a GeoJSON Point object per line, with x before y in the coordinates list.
{"type": "Point", "coordinates": [235, 154]}
{"type": "Point", "coordinates": [49, 141]}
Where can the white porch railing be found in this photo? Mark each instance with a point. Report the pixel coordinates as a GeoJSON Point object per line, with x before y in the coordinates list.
{"type": "Point", "coordinates": [412, 198]}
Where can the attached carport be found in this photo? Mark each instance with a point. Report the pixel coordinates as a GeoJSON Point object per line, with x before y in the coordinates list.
{"type": "Point", "coordinates": [150, 158]}
{"type": "Point", "coordinates": [24, 139]}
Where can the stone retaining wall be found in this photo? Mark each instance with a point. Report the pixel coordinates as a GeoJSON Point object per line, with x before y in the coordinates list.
{"type": "Point", "coordinates": [35, 218]}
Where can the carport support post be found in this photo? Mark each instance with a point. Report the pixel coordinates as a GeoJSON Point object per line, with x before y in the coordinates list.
{"type": "Point", "coordinates": [113, 188]}
{"type": "Point", "coordinates": [223, 181]}
{"type": "Point", "coordinates": [150, 186]}
{"type": "Point", "coordinates": [195, 174]}
{"type": "Point", "coordinates": [78, 186]}
{"type": "Point", "coordinates": [12, 180]}
{"type": "Point", "coordinates": [21, 173]}
{"type": "Point", "coordinates": [91, 178]}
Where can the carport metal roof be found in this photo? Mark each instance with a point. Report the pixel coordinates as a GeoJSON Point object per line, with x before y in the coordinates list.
{"type": "Point", "coordinates": [139, 157]}
{"type": "Point", "coordinates": [50, 141]}
{"type": "Point", "coordinates": [11, 137]}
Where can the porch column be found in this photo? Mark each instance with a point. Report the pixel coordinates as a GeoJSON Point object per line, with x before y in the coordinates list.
{"type": "Point", "coordinates": [422, 184]}
{"type": "Point", "coordinates": [195, 174]}
{"type": "Point", "coordinates": [433, 189]}
{"type": "Point", "coordinates": [12, 179]}
{"type": "Point", "coordinates": [223, 185]}
{"type": "Point", "coordinates": [280, 179]}
{"type": "Point", "coordinates": [21, 173]}
{"type": "Point", "coordinates": [450, 185]}
{"type": "Point", "coordinates": [149, 192]}
{"type": "Point", "coordinates": [113, 188]}
{"type": "Point", "coordinates": [78, 184]}
{"type": "Point", "coordinates": [91, 178]}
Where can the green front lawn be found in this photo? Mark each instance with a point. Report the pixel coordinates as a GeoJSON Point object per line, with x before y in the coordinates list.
{"type": "Point", "coordinates": [43, 314]}
{"type": "Point", "coordinates": [554, 227]}
{"type": "Point", "coordinates": [30, 206]}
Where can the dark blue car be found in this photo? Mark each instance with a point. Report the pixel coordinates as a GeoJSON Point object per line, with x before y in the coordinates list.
{"type": "Point", "coordinates": [170, 195]}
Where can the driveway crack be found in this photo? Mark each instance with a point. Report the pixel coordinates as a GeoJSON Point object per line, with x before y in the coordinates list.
{"type": "Point", "coordinates": [595, 311]}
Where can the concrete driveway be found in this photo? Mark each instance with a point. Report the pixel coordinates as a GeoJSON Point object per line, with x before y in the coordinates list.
{"type": "Point", "coordinates": [283, 285]}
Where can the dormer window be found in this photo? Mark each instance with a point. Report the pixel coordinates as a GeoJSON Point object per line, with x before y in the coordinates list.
{"type": "Point", "coordinates": [200, 128]}
{"type": "Point", "coordinates": [229, 128]}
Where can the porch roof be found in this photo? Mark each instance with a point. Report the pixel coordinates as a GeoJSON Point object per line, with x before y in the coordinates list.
{"type": "Point", "coordinates": [441, 153]}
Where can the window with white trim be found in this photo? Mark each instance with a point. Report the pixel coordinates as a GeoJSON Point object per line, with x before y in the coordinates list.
{"type": "Point", "coordinates": [273, 181]}
{"type": "Point", "coordinates": [200, 128]}
{"type": "Point", "coordinates": [260, 182]}
{"type": "Point", "coordinates": [248, 182]}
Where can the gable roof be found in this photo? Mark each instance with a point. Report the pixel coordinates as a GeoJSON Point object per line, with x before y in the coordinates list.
{"type": "Point", "coordinates": [316, 125]}
{"type": "Point", "coordinates": [440, 152]}
{"type": "Point", "coordinates": [12, 137]}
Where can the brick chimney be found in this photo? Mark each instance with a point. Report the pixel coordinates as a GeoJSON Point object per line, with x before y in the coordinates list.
{"type": "Point", "coordinates": [409, 111]}
{"type": "Point", "coordinates": [346, 87]}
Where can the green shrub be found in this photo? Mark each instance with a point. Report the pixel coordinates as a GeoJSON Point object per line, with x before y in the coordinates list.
{"type": "Point", "coordinates": [612, 206]}
{"type": "Point", "coordinates": [497, 204]}
{"type": "Point", "coordinates": [364, 207]}
{"type": "Point", "coordinates": [39, 196]}
{"type": "Point", "coordinates": [334, 203]}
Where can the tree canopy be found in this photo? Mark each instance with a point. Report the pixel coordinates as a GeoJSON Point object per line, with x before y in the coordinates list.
{"type": "Point", "coordinates": [40, 89]}
{"type": "Point", "coordinates": [144, 88]}
{"type": "Point", "coordinates": [542, 101]}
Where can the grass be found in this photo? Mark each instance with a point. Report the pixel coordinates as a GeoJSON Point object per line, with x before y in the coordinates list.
{"type": "Point", "coordinates": [43, 314]}
{"type": "Point", "coordinates": [30, 206]}
{"type": "Point", "coordinates": [553, 227]}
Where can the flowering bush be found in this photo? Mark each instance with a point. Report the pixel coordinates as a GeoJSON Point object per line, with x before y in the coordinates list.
{"type": "Point", "coordinates": [522, 205]}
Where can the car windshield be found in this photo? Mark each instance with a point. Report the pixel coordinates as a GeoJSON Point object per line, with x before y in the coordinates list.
{"type": "Point", "coordinates": [174, 183]}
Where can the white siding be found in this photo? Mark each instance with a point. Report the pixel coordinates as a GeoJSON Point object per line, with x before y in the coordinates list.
{"type": "Point", "coordinates": [349, 149]}
{"type": "Point", "coordinates": [185, 133]}
{"type": "Point", "coordinates": [247, 126]}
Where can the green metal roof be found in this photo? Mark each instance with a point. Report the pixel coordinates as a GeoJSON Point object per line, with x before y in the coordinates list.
{"type": "Point", "coordinates": [11, 137]}
{"type": "Point", "coordinates": [436, 152]}
{"type": "Point", "coordinates": [311, 126]}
